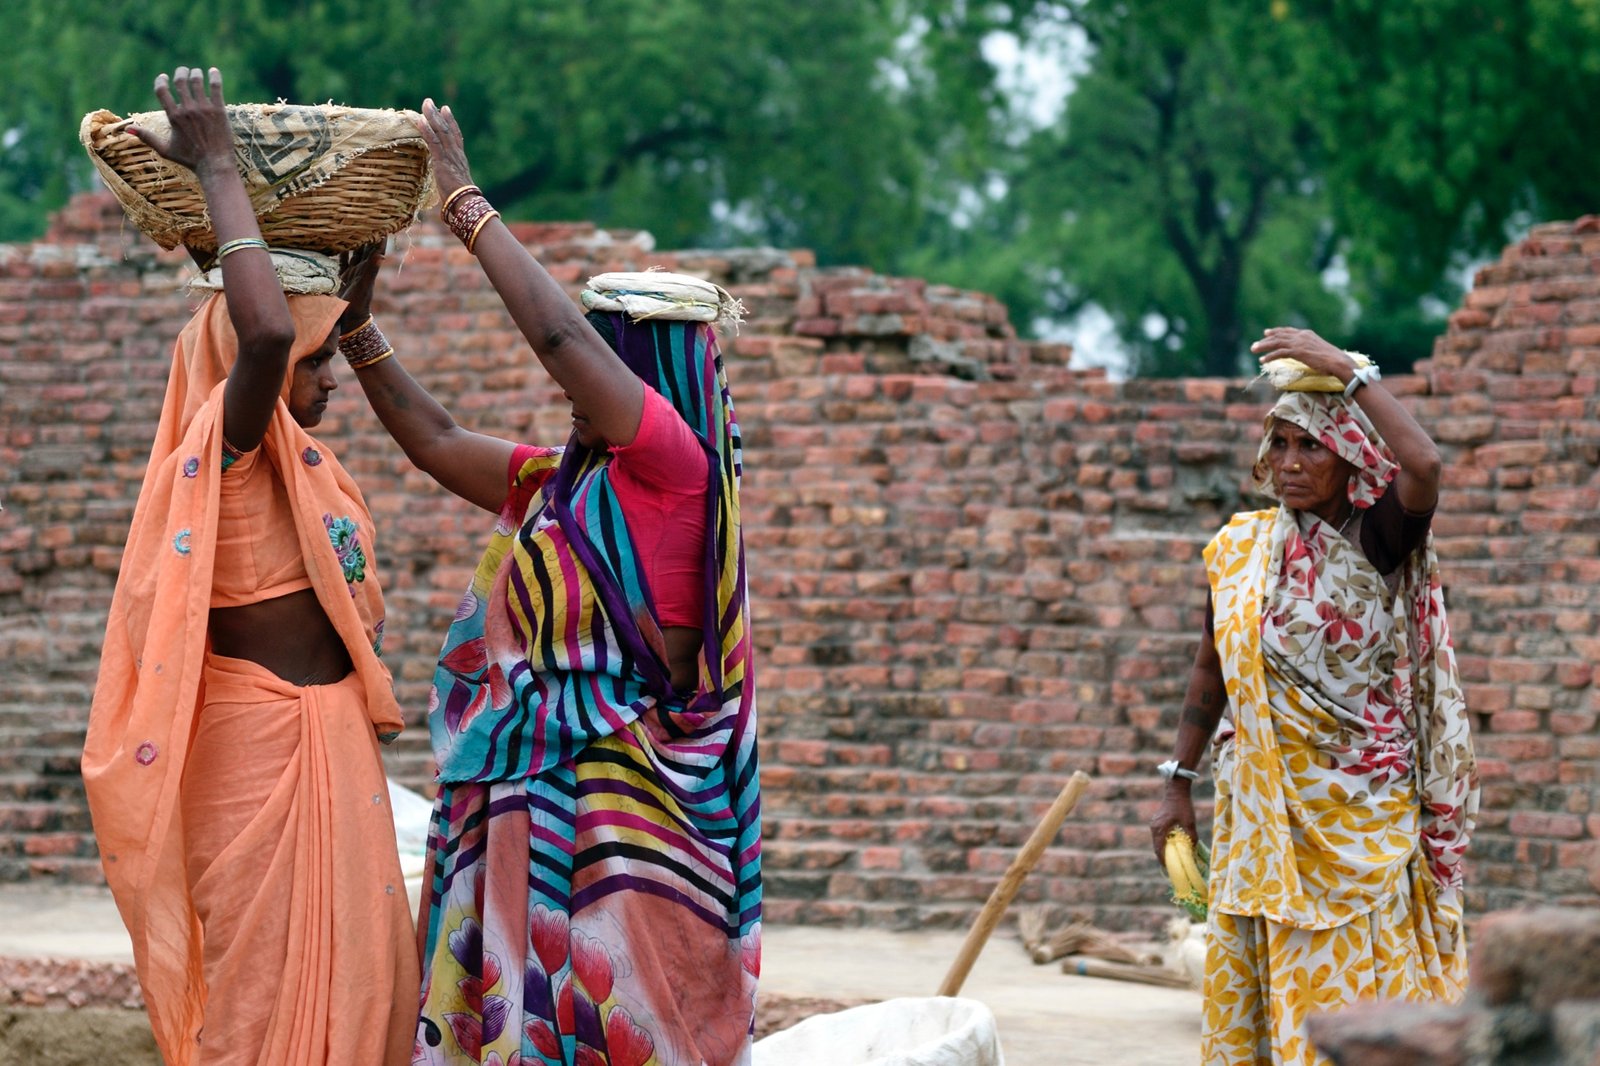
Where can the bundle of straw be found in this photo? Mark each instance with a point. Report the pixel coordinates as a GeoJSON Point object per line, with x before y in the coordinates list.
{"type": "Point", "coordinates": [1291, 375]}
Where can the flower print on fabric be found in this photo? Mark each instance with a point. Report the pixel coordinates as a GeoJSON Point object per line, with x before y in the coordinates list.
{"type": "Point", "coordinates": [180, 543]}
{"type": "Point", "coordinates": [570, 978]}
{"type": "Point", "coordinates": [347, 545]}
{"type": "Point", "coordinates": [480, 990]}
{"type": "Point", "coordinates": [191, 466]}
{"type": "Point", "coordinates": [1346, 786]}
{"type": "Point", "coordinates": [1344, 429]}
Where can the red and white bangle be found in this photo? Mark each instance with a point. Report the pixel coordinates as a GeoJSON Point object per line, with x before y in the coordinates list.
{"type": "Point", "coordinates": [466, 212]}
{"type": "Point", "coordinates": [365, 345]}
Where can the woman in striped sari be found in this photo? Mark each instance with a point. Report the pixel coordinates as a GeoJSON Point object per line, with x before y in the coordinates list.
{"type": "Point", "coordinates": [1346, 786]}
{"type": "Point", "coordinates": [594, 889]}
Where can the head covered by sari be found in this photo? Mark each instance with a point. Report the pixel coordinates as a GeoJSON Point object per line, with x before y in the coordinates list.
{"type": "Point", "coordinates": [1313, 640]}
{"type": "Point", "coordinates": [149, 688]}
{"type": "Point", "coordinates": [557, 644]}
{"type": "Point", "coordinates": [1343, 429]}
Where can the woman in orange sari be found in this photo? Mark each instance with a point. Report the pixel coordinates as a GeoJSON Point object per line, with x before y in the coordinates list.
{"type": "Point", "coordinates": [232, 761]}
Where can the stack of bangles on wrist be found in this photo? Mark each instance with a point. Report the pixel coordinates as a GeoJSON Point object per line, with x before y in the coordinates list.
{"type": "Point", "coordinates": [365, 345]}
{"type": "Point", "coordinates": [466, 212]}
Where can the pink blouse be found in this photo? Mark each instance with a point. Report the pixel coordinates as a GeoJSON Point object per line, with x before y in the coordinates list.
{"type": "Point", "coordinates": [661, 481]}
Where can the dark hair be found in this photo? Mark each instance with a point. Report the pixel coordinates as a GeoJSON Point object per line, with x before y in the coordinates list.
{"type": "Point", "coordinates": [603, 325]}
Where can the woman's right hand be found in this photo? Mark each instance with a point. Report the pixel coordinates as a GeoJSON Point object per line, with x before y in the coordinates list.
{"type": "Point", "coordinates": [1176, 812]}
{"type": "Point", "coordinates": [201, 138]}
{"type": "Point", "coordinates": [449, 152]}
{"type": "Point", "coordinates": [358, 276]}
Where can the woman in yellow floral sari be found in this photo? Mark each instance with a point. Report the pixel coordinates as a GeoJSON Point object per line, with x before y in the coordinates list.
{"type": "Point", "coordinates": [1346, 786]}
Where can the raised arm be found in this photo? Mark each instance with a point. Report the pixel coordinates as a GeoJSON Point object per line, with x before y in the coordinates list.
{"type": "Point", "coordinates": [585, 367]}
{"type": "Point", "coordinates": [202, 140]}
{"type": "Point", "coordinates": [471, 465]}
{"type": "Point", "coordinates": [1203, 704]}
{"type": "Point", "coordinates": [1418, 480]}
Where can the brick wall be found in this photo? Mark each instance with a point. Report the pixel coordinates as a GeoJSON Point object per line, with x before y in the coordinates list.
{"type": "Point", "coordinates": [973, 570]}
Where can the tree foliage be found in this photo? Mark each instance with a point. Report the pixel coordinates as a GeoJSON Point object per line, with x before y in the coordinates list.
{"type": "Point", "coordinates": [1229, 164]}
{"type": "Point", "coordinates": [1221, 166]}
{"type": "Point", "coordinates": [1178, 190]}
{"type": "Point", "coordinates": [702, 120]}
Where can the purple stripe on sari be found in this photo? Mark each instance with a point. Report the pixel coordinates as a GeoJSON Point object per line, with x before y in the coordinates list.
{"type": "Point", "coordinates": [613, 787]}
{"type": "Point", "coordinates": [711, 863]}
{"type": "Point", "coordinates": [595, 891]}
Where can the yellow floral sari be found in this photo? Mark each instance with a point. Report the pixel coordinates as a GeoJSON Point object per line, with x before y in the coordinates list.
{"type": "Point", "coordinates": [1346, 787]}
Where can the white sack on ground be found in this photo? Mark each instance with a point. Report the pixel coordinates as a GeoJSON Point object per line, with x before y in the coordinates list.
{"type": "Point", "coordinates": [931, 1031]}
{"type": "Point", "coordinates": [412, 812]}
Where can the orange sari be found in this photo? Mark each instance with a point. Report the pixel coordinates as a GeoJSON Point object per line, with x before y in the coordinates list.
{"type": "Point", "coordinates": [244, 822]}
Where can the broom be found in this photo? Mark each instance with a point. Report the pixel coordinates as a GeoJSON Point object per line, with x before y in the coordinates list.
{"type": "Point", "coordinates": [995, 908]}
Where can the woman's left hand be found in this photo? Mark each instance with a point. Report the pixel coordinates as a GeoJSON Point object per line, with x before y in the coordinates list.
{"type": "Point", "coordinates": [439, 130]}
{"type": "Point", "coordinates": [199, 136]}
{"type": "Point", "coordinates": [1284, 342]}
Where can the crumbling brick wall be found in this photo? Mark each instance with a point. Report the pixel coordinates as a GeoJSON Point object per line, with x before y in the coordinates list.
{"type": "Point", "coordinates": [1533, 999]}
{"type": "Point", "coordinates": [972, 569]}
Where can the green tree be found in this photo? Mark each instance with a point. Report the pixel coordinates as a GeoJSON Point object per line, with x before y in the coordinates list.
{"type": "Point", "coordinates": [1177, 192]}
{"type": "Point", "coordinates": [1443, 124]}
{"type": "Point", "coordinates": [1220, 160]}
{"type": "Point", "coordinates": [701, 120]}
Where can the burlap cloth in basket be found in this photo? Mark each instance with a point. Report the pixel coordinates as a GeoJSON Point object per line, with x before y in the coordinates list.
{"type": "Point", "coordinates": [323, 178]}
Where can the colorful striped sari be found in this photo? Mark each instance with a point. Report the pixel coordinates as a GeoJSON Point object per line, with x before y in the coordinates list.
{"type": "Point", "coordinates": [595, 892]}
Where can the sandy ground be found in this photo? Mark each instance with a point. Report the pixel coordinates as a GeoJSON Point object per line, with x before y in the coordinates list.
{"type": "Point", "coordinates": [1044, 1017]}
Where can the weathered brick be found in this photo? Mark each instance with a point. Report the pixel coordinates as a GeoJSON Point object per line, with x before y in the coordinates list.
{"type": "Point", "coordinates": [1398, 1034]}
{"type": "Point", "coordinates": [962, 590]}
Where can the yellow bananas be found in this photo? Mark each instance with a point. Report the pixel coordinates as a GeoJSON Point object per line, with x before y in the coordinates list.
{"type": "Point", "coordinates": [1187, 869]}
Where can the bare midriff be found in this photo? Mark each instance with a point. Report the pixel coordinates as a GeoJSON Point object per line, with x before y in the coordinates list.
{"type": "Point", "coordinates": [683, 655]}
{"type": "Point", "coordinates": [289, 635]}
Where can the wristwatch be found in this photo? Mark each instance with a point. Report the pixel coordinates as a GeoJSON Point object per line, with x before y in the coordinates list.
{"type": "Point", "coordinates": [1171, 769]}
{"type": "Point", "coordinates": [1364, 375]}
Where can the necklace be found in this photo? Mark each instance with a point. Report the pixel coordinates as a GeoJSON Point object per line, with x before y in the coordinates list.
{"type": "Point", "coordinates": [1347, 520]}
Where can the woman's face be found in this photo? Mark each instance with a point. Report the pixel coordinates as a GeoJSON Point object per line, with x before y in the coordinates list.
{"type": "Point", "coordinates": [587, 435]}
{"type": "Point", "coordinates": [1307, 475]}
{"type": "Point", "coordinates": [311, 383]}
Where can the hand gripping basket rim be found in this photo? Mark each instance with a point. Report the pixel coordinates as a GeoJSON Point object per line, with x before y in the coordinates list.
{"type": "Point", "coordinates": [323, 178]}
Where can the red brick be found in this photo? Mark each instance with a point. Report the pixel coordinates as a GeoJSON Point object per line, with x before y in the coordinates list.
{"type": "Point", "coordinates": [962, 591]}
{"type": "Point", "coordinates": [881, 859]}
{"type": "Point", "coordinates": [1544, 824]}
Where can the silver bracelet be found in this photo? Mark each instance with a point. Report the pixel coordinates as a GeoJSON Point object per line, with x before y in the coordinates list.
{"type": "Point", "coordinates": [1171, 769]}
{"type": "Point", "coordinates": [1363, 375]}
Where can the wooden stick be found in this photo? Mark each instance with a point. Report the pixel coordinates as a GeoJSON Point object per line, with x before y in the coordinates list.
{"type": "Point", "coordinates": [1002, 895]}
{"type": "Point", "coordinates": [1122, 971]}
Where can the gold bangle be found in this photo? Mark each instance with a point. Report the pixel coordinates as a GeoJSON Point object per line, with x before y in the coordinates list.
{"type": "Point", "coordinates": [238, 243]}
{"type": "Point", "coordinates": [351, 333]}
{"type": "Point", "coordinates": [472, 240]}
{"type": "Point", "coordinates": [453, 197]}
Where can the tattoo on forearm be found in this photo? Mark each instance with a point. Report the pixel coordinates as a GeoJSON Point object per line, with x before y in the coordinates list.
{"type": "Point", "coordinates": [1199, 717]}
{"type": "Point", "coordinates": [398, 398]}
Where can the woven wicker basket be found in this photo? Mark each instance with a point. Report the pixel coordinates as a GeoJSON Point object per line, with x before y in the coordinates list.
{"type": "Point", "coordinates": [321, 178]}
